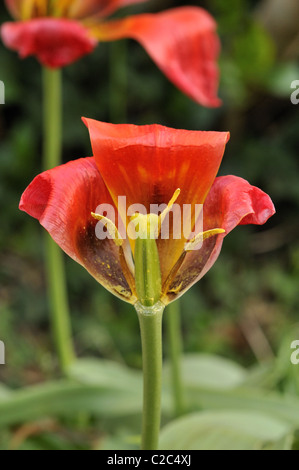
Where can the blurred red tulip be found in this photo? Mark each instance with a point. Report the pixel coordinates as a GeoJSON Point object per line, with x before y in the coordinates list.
{"type": "Point", "coordinates": [147, 165]}
{"type": "Point", "coordinates": [183, 41]}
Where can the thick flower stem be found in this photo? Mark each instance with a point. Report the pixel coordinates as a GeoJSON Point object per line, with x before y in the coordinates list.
{"type": "Point", "coordinates": [118, 82]}
{"type": "Point", "coordinates": [150, 320]}
{"type": "Point", "coordinates": [173, 321]}
{"type": "Point", "coordinates": [60, 317]}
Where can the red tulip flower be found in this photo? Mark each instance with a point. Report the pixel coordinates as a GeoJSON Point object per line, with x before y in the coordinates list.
{"type": "Point", "coordinates": [182, 41]}
{"type": "Point", "coordinates": [148, 165]}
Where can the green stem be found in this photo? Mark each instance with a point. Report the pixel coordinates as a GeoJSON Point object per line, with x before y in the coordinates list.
{"type": "Point", "coordinates": [118, 82]}
{"type": "Point", "coordinates": [150, 320]}
{"type": "Point", "coordinates": [60, 317]}
{"type": "Point", "coordinates": [173, 321]}
{"type": "Point", "coordinates": [52, 117]}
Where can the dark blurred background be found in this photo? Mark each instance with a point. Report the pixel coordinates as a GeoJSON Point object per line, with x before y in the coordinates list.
{"type": "Point", "coordinates": [249, 300]}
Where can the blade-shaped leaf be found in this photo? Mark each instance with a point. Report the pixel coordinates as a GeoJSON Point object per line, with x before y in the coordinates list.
{"type": "Point", "coordinates": [66, 398]}
{"type": "Point", "coordinates": [275, 405]}
{"type": "Point", "coordinates": [4, 391]}
{"type": "Point", "coordinates": [208, 371]}
{"type": "Point", "coordinates": [106, 374]}
{"type": "Point", "coordinates": [223, 430]}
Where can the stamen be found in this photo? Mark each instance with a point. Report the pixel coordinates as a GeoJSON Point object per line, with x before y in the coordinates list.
{"type": "Point", "coordinates": [27, 9]}
{"type": "Point", "coordinates": [42, 7]}
{"type": "Point", "coordinates": [34, 8]}
{"type": "Point", "coordinates": [62, 7]}
{"type": "Point", "coordinates": [123, 255]}
{"type": "Point", "coordinates": [111, 228]}
{"type": "Point", "coordinates": [172, 274]}
{"type": "Point", "coordinates": [149, 225]}
{"type": "Point", "coordinates": [176, 290]}
{"type": "Point", "coordinates": [168, 208]}
{"type": "Point", "coordinates": [190, 246]}
{"type": "Point", "coordinates": [126, 271]}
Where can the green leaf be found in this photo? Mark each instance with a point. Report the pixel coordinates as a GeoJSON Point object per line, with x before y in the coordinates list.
{"type": "Point", "coordinates": [261, 376]}
{"type": "Point", "coordinates": [4, 391]}
{"type": "Point", "coordinates": [110, 390]}
{"type": "Point", "coordinates": [106, 374]}
{"type": "Point", "coordinates": [66, 398]}
{"type": "Point", "coordinates": [101, 388]}
{"type": "Point", "coordinates": [254, 52]}
{"type": "Point", "coordinates": [286, 443]}
{"type": "Point", "coordinates": [275, 405]}
{"type": "Point", "coordinates": [119, 442]}
{"type": "Point", "coordinates": [223, 430]}
{"type": "Point", "coordinates": [280, 80]}
{"type": "Point", "coordinates": [286, 372]}
{"type": "Point", "coordinates": [211, 372]}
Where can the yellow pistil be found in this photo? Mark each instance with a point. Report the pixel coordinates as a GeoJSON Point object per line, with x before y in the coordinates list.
{"type": "Point", "coordinates": [111, 228]}
{"type": "Point", "coordinates": [149, 225]}
{"type": "Point", "coordinates": [143, 226]}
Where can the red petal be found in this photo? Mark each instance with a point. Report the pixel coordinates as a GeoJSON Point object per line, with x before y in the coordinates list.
{"type": "Point", "coordinates": [55, 42]}
{"type": "Point", "coordinates": [62, 199]}
{"type": "Point", "coordinates": [148, 163]}
{"type": "Point", "coordinates": [231, 201]}
{"type": "Point", "coordinates": [84, 8]}
{"type": "Point", "coordinates": [183, 43]}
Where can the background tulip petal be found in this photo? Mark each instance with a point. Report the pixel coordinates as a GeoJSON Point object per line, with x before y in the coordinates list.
{"type": "Point", "coordinates": [183, 43]}
{"type": "Point", "coordinates": [55, 42]}
{"type": "Point", "coordinates": [62, 199]}
{"type": "Point", "coordinates": [85, 8]}
{"type": "Point", "coordinates": [14, 7]}
{"type": "Point", "coordinates": [231, 201]}
{"type": "Point", "coordinates": [148, 163]}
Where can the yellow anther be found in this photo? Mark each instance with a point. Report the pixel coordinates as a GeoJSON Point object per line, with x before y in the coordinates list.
{"type": "Point", "coordinates": [111, 228]}
{"type": "Point", "coordinates": [176, 290]}
{"type": "Point", "coordinates": [191, 245]}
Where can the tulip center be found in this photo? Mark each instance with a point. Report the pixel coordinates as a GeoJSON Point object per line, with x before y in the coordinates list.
{"type": "Point", "coordinates": [145, 229]}
{"type": "Point", "coordinates": [144, 273]}
{"type": "Point", "coordinates": [45, 8]}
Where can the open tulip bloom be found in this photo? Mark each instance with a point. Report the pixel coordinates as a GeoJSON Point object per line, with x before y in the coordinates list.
{"type": "Point", "coordinates": [99, 211]}
{"type": "Point", "coordinates": [182, 41]}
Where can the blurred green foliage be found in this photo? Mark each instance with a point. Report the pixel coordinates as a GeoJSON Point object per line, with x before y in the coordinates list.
{"type": "Point", "coordinates": [247, 305]}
